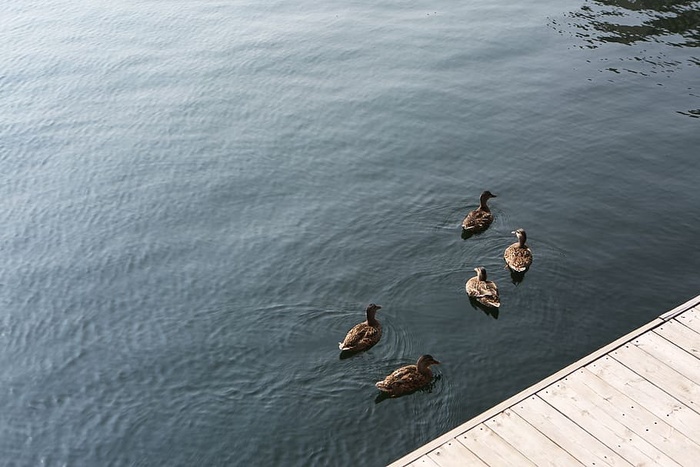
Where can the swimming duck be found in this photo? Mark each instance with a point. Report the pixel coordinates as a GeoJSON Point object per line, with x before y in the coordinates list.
{"type": "Point", "coordinates": [518, 256]}
{"type": "Point", "coordinates": [484, 291]}
{"type": "Point", "coordinates": [408, 378]}
{"type": "Point", "coordinates": [480, 218]}
{"type": "Point", "coordinates": [364, 335]}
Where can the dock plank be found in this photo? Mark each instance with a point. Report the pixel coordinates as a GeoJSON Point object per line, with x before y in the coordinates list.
{"type": "Point", "coordinates": [578, 402]}
{"type": "Point", "coordinates": [670, 354]}
{"type": "Point", "coordinates": [491, 448]}
{"type": "Point", "coordinates": [532, 443]}
{"type": "Point", "coordinates": [645, 393]}
{"type": "Point", "coordinates": [681, 335]}
{"type": "Point", "coordinates": [578, 442]}
{"type": "Point", "coordinates": [424, 461]}
{"type": "Point", "coordinates": [691, 318]}
{"type": "Point", "coordinates": [660, 375]}
{"type": "Point", "coordinates": [454, 454]}
{"type": "Point", "coordinates": [642, 421]}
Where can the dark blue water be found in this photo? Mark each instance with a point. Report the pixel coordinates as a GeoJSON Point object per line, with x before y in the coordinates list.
{"type": "Point", "coordinates": [200, 198]}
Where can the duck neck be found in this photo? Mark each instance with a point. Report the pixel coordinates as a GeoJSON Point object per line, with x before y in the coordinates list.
{"type": "Point", "coordinates": [371, 319]}
{"type": "Point", "coordinates": [482, 204]}
{"type": "Point", "coordinates": [522, 238]}
{"type": "Point", "coordinates": [424, 368]}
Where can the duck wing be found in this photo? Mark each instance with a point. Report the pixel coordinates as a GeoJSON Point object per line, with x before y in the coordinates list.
{"type": "Point", "coordinates": [403, 380]}
{"type": "Point", "coordinates": [518, 259]}
{"type": "Point", "coordinates": [485, 292]}
{"type": "Point", "coordinates": [361, 337]}
{"type": "Point", "coordinates": [477, 220]}
{"type": "Point", "coordinates": [472, 287]}
{"type": "Point", "coordinates": [489, 294]}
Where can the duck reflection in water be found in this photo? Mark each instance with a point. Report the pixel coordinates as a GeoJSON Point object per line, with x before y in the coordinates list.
{"type": "Point", "coordinates": [516, 277]}
{"type": "Point", "coordinates": [467, 234]}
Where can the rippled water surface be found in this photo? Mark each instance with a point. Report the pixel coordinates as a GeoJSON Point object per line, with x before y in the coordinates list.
{"type": "Point", "coordinates": [200, 198]}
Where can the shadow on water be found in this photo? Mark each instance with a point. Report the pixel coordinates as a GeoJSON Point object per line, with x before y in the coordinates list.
{"type": "Point", "coordinates": [467, 234]}
{"type": "Point", "coordinates": [345, 354]}
{"type": "Point", "coordinates": [382, 396]}
{"type": "Point", "coordinates": [517, 277]}
{"type": "Point", "coordinates": [488, 310]}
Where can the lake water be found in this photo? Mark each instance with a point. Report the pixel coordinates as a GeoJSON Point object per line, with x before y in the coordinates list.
{"type": "Point", "coordinates": [200, 198]}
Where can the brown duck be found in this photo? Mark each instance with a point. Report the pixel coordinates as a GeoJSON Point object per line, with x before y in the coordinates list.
{"type": "Point", "coordinates": [480, 218]}
{"type": "Point", "coordinates": [408, 378]}
{"type": "Point", "coordinates": [483, 290]}
{"type": "Point", "coordinates": [518, 256]}
{"type": "Point", "coordinates": [364, 335]}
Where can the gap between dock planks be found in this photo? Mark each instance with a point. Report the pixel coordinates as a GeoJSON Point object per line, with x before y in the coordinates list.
{"type": "Point", "coordinates": [631, 402]}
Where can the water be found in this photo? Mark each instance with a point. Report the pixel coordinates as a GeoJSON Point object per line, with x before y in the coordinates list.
{"type": "Point", "coordinates": [200, 198]}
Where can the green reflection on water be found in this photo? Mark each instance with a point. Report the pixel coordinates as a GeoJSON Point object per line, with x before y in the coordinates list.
{"type": "Point", "coordinates": [676, 23]}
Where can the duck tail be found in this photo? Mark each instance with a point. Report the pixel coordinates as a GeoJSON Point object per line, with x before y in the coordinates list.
{"type": "Point", "coordinates": [381, 386]}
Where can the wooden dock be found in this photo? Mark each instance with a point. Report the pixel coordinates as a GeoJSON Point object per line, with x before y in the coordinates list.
{"type": "Point", "coordinates": [635, 402]}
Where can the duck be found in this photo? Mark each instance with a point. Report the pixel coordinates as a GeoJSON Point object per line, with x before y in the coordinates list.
{"type": "Point", "coordinates": [480, 218]}
{"type": "Point", "coordinates": [482, 290]}
{"type": "Point", "coordinates": [364, 335]}
{"type": "Point", "coordinates": [518, 256]}
{"type": "Point", "coordinates": [408, 378]}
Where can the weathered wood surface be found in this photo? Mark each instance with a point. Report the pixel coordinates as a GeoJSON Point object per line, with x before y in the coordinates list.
{"type": "Point", "coordinates": [635, 402]}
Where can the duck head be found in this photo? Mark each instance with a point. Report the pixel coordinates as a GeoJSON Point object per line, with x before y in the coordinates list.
{"type": "Point", "coordinates": [425, 361]}
{"type": "Point", "coordinates": [485, 196]}
{"type": "Point", "coordinates": [522, 236]}
{"type": "Point", "coordinates": [371, 310]}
